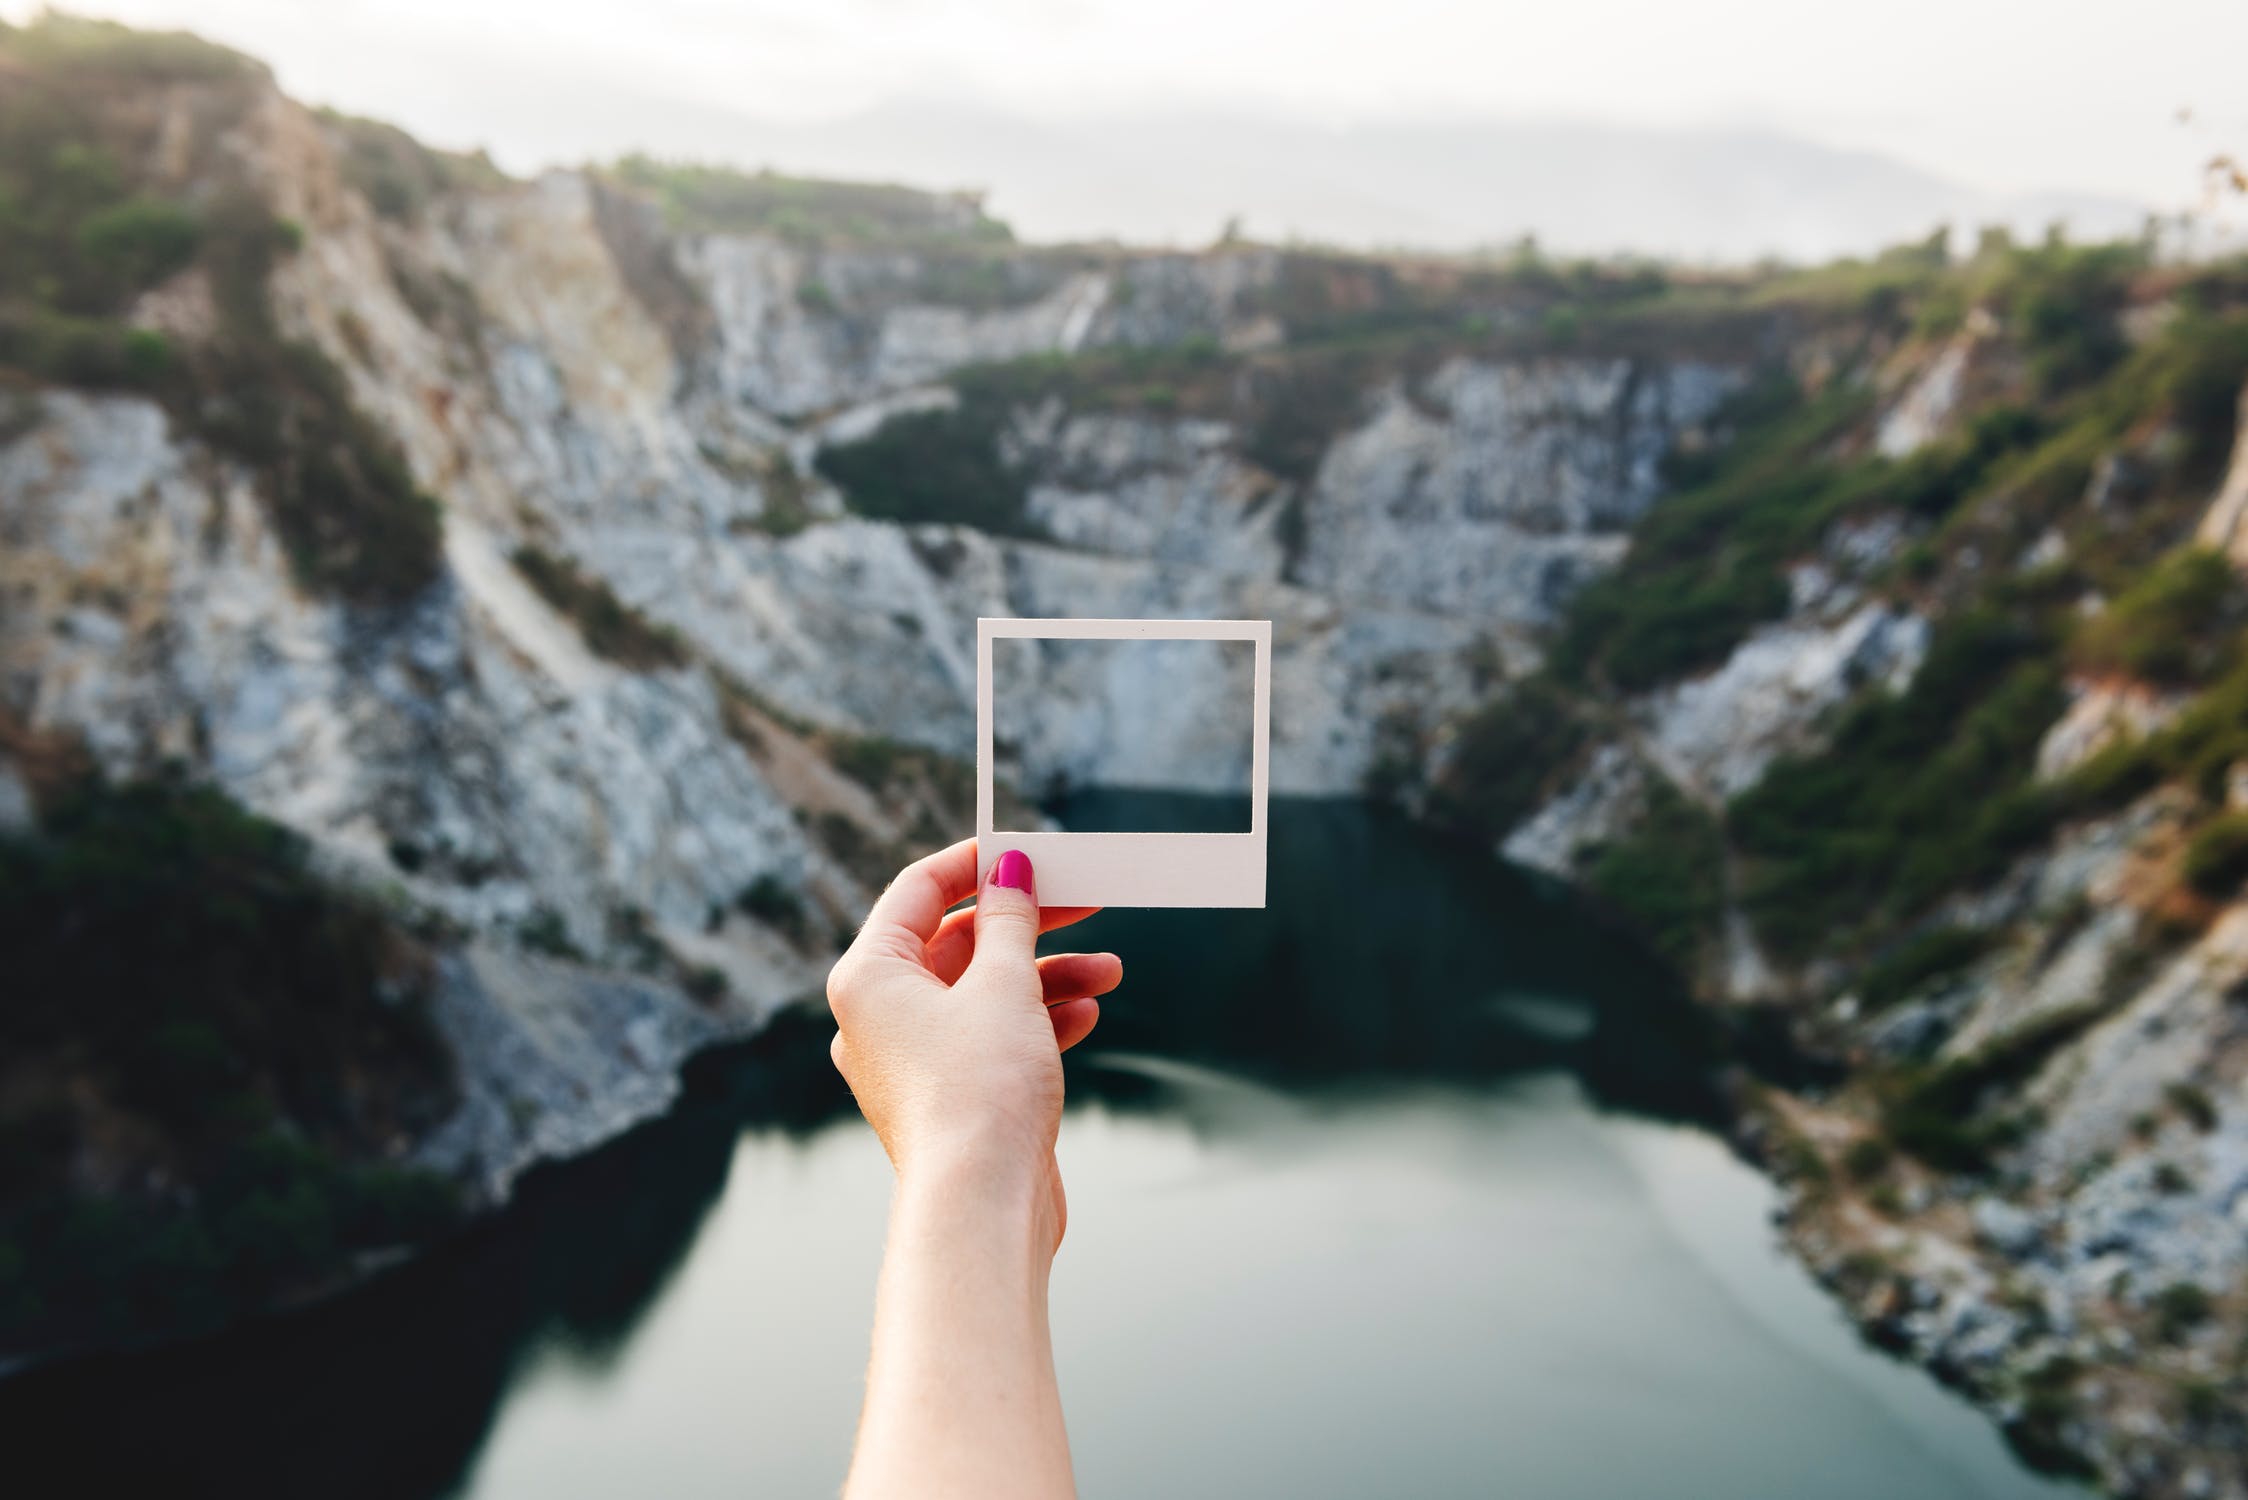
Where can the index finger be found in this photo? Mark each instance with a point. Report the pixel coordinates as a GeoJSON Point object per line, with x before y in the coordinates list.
{"type": "Point", "coordinates": [908, 914]}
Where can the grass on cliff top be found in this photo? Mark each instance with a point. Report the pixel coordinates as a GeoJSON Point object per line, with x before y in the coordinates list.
{"type": "Point", "coordinates": [712, 199]}
{"type": "Point", "coordinates": [1931, 791]}
{"type": "Point", "coordinates": [189, 1005]}
{"type": "Point", "coordinates": [87, 48]}
{"type": "Point", "coordinates": [398, 175]}
{"type": "Point", "coordinates": [83, 235]}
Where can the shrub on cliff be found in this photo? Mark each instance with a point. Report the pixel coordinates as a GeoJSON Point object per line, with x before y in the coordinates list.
{"type": "Point", "coordinates": [205, 1059]}
{"type": "Point", "coordinates": [611, 627]}
{"type": "Point", "coordinates": [83, 46]}
{"type": "Point", "coordinates": [1917, 794]}
{"type": "Point", "coordinates": [83, 235]}
{"type": "Point", "coordinates": [2178, 624]}
{"type": "Point", "coordinates": [2217, 857]}
{"type": "Point", "coordinates": [712, 199]}
{"type": "Point", "coordinates": [2065, 303]}
{"type": "Point", "coordinates": [1507, 757]}
{"type": "Point", "coordinates": [942, 466]}
{"type": "Point", "coordinates": [1667, 875]}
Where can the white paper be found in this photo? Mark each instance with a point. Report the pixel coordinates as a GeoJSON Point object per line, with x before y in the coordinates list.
{"type": "Point", "coordinates": [1133, 869]}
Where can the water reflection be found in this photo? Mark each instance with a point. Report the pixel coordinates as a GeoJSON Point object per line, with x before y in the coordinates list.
{"type": "Point", "coordinates": [1324, 1080]}
{"type": "Point", "coordinates": [389, 1391]}
{"type": "Point", "coordinates": [1384, 953]}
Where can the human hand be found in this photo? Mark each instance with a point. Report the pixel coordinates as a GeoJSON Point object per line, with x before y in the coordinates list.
{"type": "Point", "coordinates": [951, 1030]}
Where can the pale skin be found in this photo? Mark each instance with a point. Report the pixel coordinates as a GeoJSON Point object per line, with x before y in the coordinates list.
{"type": "Point", "coordinates": [950, 1033]}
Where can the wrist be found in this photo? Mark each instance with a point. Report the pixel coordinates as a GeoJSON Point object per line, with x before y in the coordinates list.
{"type": "Point", "coordinates": [983, 1185]}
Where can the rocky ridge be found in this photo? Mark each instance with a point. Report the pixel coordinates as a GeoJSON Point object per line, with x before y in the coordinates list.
{"type": "Point", "coordinates": [573, 378]}
{"type": "Point", "coordinates": [2083, 1273]}
{"type": "Point", "coordinates": [639, 855]}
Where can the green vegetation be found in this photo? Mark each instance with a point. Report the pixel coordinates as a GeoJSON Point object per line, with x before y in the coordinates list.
{"type": "Point", "coordinates": [2180, 1308]}
{"type": "Point", "coordinates": [611, 628]}
{"type": "Point", "coordinates": [2204, 1402]}
{"type": "Point", "coordinates": [82, 237]}
{"type": "Point", "coordinates": [1917, 794]}
{"type": "Point", "coordinates": [2038, 1433]}
{"type": "Point", "coordinates": [1707, 566]}
{"type": "Point", "coordinates": [1667, 875]}
{"type": "Point", "coordinates": [708, 199]}
{"type": "Point", "coordinates": [2217, 857]}
{"type": "Point", "coordinates": [2065, 303]}
{"type": "Point", "coordinates": [2178, 624]}
{"type": "Point", "coordinates": [1507, 757]}
{"type": "Point", "coordinates": [1867, 1158]}
{"type": "Point", "coordinates": [935, 466]}
{"type": "Point", "coordinates": [2203, 365]}
{"type": "Point", "coordinates": [338, 489]}
{"type": "Point", "coordinates": [545, 931]}
{"type": "Point", "coordinates": [99, 51]}
{"type": "Point", "coordinates": [774, 902]}
{"type": "Point", "coordinates": [1301, 405]}
{"type": "Point", "coordinates": [398, 175]}
{"type": "Point", "coordinates": [1938, 1113]}
{"type": "Point", "coordinates": [2197, 748]}
{"type": "Point", "coordinates": [1913, 964]}
{"type": "Point", "coordinates": [2194, 1104]}
{"type": "Point", "coordinates": [188, 1004]}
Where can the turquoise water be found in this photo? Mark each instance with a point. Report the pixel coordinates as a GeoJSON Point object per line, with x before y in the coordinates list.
{"type": "Point", "coordinates": [1392, 1189]}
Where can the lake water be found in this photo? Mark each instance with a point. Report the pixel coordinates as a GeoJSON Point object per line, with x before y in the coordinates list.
{"type": "Point", "coordinates": [1391, 1189]}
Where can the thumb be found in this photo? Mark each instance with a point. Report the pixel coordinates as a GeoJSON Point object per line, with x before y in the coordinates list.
{"type": "Point", "coordinates": [1007, 919]}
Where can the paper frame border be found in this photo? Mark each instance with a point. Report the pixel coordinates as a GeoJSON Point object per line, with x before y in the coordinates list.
{"type": "Point", "coordinates": [1134, 869]}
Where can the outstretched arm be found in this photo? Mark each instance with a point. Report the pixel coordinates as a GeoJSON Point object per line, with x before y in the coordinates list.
{"type": "Point", "coordinates": [950, 1033]}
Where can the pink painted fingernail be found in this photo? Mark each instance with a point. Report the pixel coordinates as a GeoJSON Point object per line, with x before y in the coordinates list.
{"type": "Point", "coordinates": [1012, 870]}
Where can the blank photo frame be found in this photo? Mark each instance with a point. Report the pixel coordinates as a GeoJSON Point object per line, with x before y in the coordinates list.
{"type": "Point", "coordinates": [1133, 869]}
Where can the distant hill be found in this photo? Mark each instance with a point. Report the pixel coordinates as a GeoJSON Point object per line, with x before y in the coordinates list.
{"type": "Point", "coordinates": [1727, 195]}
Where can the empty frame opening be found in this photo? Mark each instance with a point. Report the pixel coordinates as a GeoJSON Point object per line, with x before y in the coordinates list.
{"type": "Point", "coordinates": [1127, 736]}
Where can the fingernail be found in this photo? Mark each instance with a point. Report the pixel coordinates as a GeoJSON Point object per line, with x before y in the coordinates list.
{"type": "Point", "coordinates": [1012, 870]}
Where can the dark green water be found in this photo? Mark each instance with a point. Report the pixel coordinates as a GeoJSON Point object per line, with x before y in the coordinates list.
{"type": "Point", "coordinates": [1391, 1189]}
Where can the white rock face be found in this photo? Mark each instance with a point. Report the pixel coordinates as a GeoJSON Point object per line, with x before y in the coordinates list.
{"type": "Point", "coordinates": [2120, 1069]}
{"type": "Point", "coordinates": [553, 1060]}
{"type": "Point", "coordinates": [1498, 489]}
{"type": "Point", "coordinates": [472, 754]}
{"type": "Point", "coordinates": [572, 418]}
{"type": "Point", "coordinates": [1716, 734]}
{"type": "Point", "coordinates": [2101, 714]}
{"type": "Point", "coordinates": [650, 412]}
{"type": "Point", "coordinates": [1924, 411]}
{"type": "Point", "coordinates": [2224, 525]}
{"type": "Point", "coordinates": [801, 332]}
{"type": "Point", "coordinates": [1600, 804]}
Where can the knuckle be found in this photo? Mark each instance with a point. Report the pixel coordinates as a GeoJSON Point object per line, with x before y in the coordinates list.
{"type": "Point", "coordinates": [1011, 915]}
{"type": "Point", "coordinates": [842, 985]}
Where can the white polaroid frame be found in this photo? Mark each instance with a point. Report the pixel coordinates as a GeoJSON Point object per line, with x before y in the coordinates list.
{"type": "Point", "coordinates": [1133, 869]}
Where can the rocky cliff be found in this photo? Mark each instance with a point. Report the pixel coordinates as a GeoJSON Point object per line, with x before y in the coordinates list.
{"type": "Point", "coordinates": [641, 721]}
{"type": "Point", "coordinates": [1971, 780]}
{"type": "Point", "coordinates": [1840, 629]}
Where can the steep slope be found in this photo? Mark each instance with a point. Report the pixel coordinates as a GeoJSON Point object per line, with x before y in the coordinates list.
{"type": "Point", "coordinates": [601, 594]}
{"type": "Point", "coordinates": [481, 533]}
{"type": "Point", "coordinates": [1943, 677]}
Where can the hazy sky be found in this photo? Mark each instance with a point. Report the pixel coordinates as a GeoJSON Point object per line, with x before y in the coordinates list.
{"type": "Point", "coordinates": [2009, 95]}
